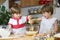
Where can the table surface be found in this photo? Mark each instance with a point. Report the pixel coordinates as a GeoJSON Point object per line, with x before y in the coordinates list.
{"type": "Point", "coordinates": [18, 37]}
{"type": "Point", "coordinates": [15, 37]}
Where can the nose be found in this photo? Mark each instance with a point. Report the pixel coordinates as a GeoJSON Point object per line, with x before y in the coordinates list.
{"type": "Point", "coordinates": [18, 15]}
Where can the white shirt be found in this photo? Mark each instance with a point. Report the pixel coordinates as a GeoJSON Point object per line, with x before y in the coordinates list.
{"type": "Point", "coordinates": [18, 23]}
{"type": "Point", "coordinates": [47, 25]}
{"type": "Point", "coordinates": [18, 26]}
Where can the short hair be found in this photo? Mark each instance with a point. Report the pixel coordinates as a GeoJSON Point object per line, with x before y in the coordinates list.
{"type": "Point", "coordinates": [47, 8]}
{"type": "Point", "coordinates": [15, 10]}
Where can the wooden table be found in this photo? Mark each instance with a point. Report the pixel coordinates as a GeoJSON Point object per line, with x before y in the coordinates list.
{"type": "Point", "coordinates": [12, 37]}
{"type": "Point", "coordinates": [24, 38]}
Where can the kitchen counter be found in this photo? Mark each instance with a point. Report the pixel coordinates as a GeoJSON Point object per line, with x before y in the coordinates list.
{"type": "Point", "coordinates": [15, 37]}
{"type": "Point", "coordinates": [25, 37]}
{"type": "Point", "coordinates": [12, 37]}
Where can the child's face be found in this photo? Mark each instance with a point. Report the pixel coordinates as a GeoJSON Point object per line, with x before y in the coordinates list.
{"type": "Point", "coordinates": [47, 14]}
{"type": "Point", "coordinates": [16, 15]}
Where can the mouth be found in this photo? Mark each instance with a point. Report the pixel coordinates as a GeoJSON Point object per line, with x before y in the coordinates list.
{"type": "Point", "coordinates": [46, 17]}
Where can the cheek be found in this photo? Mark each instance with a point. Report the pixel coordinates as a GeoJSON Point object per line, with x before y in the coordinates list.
{"type": "Point", "coordinates": [44, 14]}
{"type": "Point", "coordinates": [18, 15]}
{"type": "Point", "coordinates": [15, 16]}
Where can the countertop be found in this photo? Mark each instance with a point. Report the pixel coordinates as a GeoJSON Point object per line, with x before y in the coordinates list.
{"type": "Point", "coordinates": [12, 37]}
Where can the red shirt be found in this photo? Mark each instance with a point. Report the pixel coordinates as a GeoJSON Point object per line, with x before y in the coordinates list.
{"type": "Point", "coordinates": [18, 23]}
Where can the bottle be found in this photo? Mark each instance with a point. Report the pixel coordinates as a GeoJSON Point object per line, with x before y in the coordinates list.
{"type": "Point", "coordinates": [35, 10]}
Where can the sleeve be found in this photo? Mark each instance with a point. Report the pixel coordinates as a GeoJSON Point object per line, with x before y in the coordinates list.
{"type": "Point", "coordinates": [23, 19]}
{"type": "Point", "coordinates": [26, 18]}
{"type": "Point", "coordinates": [10, 22]}
{"type": "Point", "coordinates": [29, 17]}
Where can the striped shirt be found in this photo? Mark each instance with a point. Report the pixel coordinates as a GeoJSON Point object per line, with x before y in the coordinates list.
{"type": "Point", "coordinates": [18, 23]}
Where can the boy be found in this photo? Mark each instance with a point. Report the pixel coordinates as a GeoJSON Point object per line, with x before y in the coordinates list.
{"type": "Point", "coordinates": [17, 22]}
{"type": "Point", "coordinates": [48, 25]}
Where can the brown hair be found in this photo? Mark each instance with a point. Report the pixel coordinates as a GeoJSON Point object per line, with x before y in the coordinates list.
{"type": "Point", "coordinates": [15, 10]}
{"type": "Point", "coordinates": [47, 8]}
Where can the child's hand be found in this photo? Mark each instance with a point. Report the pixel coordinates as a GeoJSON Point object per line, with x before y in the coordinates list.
{"type": "Point", "coordinates": [30, 17]}
{"type": "Point", "coordinates": [31, 22]}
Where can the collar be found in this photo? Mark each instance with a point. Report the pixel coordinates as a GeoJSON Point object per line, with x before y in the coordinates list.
{"type": "Point", "coordinates": [16, 18]}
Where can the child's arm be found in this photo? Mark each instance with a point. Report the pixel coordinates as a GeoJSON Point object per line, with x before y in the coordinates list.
{"type": "Point", "coordinates": [55, 26]}
{"type": "Point", "coordinates": [10, 23]}
{"type": "Point", "coordinates": [9, 26]}
{"type": "Point", "coordinates": [38, 19]}
{"type": "Point", "coordinates": [29, 17]}
{"type": "Point", "coordinates": [31, 21]}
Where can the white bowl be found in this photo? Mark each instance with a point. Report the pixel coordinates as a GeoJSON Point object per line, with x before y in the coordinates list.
{"type": "Point", "coordinates": [4, 33]}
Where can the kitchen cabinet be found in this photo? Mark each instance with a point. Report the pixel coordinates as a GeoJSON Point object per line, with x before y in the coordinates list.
{"type": "Point", "coordinates": [14, 3]}
{"type": "Point", "coordinates": [42, 2]}
{"type": "Point", "coordinates": [2, 1]}
{"type": "Point", "coordinates": [11, 3]}
{"type": "Point", "coordinates": [25, 3]}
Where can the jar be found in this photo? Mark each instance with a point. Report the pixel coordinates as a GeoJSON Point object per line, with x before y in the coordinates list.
{"type": "Point", "coordinates": [35, 10]}
{"type": "Point", "coordinates": [30, 10]}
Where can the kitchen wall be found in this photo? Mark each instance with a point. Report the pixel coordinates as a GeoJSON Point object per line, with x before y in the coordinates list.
{"type": "Point", "coordinates": [24, 11]}
{"type": "Point", "coordinates": [6, 4]}
{"type": "Point", "coordinates": [57, 13]}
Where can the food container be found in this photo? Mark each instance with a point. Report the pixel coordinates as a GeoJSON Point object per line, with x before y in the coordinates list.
{"type": "Point", "coordinates": [35, 10]}
{"type": "Point", "coordinates": [4, 31]}
{"type": "Point", "coordinates": [39, 10]}
{"type": "Point", "coordinates": [32, 30]}
{"type": "Point", "coordinates": [30, 10]}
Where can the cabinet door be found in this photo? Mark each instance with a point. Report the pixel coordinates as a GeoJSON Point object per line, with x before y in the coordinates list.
{"type": "Point", "coordinates": [25, 3]}
{"type": "Point", "coordinates": [34, 2]}
{"type": "Point", "coordinates": [14, 3]}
